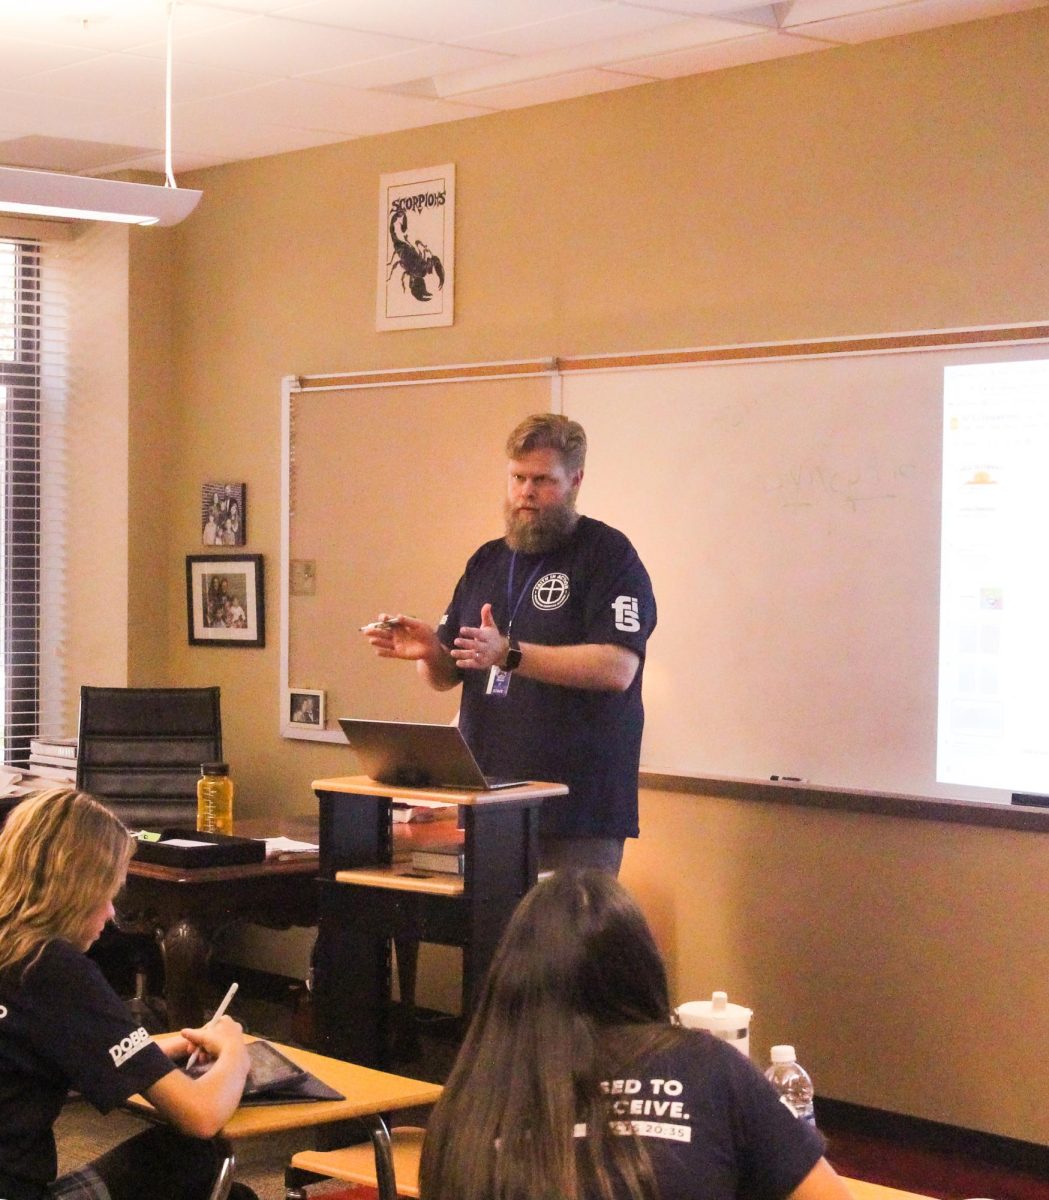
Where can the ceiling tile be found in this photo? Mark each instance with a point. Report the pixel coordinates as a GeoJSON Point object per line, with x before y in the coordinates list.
{"type": "Point", "coordinates": [132, 79]}
{"type": "Point", "coordinates": [302, 104]}
{"type": "Point", "coordinates": [277, 47]}
{"type": "Point", "coordinates": [66, 154]}
{"type": "Point", "coordinates": [118, 25]}
{"type": "Point", "coordinates": [558, 87]}
{"type": "Point", "coordinates": [571, 29]}
{"type": "Point", "coordinates": [859, 25]}
{"type": "Point", "coordinates": [693, 8]}
{"type": "Point", "coordinates": [436, 20]}
{"type": "Point", "coordinates": [418, 63]}
{"type": "Point", "coordinates": [716, 56]}
{"type": "Point", "coordinates": [20, 57]}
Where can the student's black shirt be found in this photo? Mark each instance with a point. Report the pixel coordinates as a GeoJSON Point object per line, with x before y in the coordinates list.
{"type": "Point", "coordinates": [62, 1027]}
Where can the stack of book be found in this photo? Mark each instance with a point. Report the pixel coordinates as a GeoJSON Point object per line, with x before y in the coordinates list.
{"type": "Point", "coordinates": [53, 758]}
{"type": "Point", "coordinates": [444, 858]}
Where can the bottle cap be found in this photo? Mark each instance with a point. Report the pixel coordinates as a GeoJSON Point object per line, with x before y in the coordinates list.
{"type": "Point", "coordinates": [784, 1054]}
{"type": "Point", "coordinates": [715, 1014]}
{"type": "Point", "coordinates": [214, 768]}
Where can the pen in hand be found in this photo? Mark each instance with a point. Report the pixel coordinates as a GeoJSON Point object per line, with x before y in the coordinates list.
{"type": "Point", "coordinates": [218, 1013]}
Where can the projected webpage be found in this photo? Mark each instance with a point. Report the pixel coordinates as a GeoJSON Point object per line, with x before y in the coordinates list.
{"type": "Point", "coordinates": [993, 726]}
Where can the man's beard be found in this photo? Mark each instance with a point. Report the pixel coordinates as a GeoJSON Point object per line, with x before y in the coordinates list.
{"type": "Point", "coordinates": [540, 530]}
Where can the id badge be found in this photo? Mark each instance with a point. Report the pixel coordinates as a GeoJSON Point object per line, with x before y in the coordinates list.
{"type": "Point", "coordinates": [498, 682]}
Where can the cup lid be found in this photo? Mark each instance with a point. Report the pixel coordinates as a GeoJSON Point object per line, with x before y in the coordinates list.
{"type": "Point", "coordinates": [716, 1013]}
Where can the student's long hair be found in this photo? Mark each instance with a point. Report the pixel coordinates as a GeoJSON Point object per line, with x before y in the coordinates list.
{"type": "Point", "coordinates": [576, 993]}
{"type": "Point", "coordinates": [62, 853]}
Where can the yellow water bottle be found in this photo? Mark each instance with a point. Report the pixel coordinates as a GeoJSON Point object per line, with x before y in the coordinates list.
{"type": "Point", "coordinates": [214, 799]}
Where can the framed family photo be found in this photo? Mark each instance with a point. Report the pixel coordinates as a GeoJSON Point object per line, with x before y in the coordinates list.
{"type": "Point", "coordinates": [306, 707]}
{"type": "Point", "coordinates": [223, 514]}
{"type": "Point", "coordinates": [224, 600]}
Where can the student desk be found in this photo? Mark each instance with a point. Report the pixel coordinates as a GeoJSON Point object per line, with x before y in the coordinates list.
{"type": "Point", "coordinates": [365, 899]}
{"type": "Point", "coordinates": [368, 1096]}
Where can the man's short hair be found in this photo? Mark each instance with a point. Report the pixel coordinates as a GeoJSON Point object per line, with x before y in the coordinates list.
{"type": "Point", "coordinates": [549, 431]}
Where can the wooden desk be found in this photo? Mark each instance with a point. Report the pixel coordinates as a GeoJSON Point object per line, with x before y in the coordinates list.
{"type": "Point", "coordinates": [365, 900]}
{"type": "Point", "coordinates": [185, 908]}
{"type": "Point", "coordinates": [368, 1096]}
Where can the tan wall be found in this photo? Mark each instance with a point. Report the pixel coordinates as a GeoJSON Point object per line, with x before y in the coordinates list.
{"type": "Point", "coordinates": [153, 439]}
{"type": "Point", "coordinates": [895, 186]}
{"type": "Point", "coordinates": [99, 497]}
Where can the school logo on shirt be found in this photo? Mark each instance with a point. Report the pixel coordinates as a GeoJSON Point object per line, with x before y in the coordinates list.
{"type": "Point", "coordinates": [129, 1046]}
{"type": "Point", "coordinates": [3, 1012]}
{"type": "Point", "coordinates": [626, 610]}
{"type": "Point", "coordinates": [551, 591]}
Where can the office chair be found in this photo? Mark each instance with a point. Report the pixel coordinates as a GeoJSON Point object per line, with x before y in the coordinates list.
{"type": "Point", "coordinates": [140, 750]}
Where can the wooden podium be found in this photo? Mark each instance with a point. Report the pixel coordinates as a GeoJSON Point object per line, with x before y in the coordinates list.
{"type": "Point", "coordinates": [365, 899]}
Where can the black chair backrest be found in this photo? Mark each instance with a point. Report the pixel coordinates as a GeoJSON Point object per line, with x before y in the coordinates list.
{"type": "Point", "coordinates": [140, 750]}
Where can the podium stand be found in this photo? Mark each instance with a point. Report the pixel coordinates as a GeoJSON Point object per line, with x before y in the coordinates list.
{"type": "Point", "coordinates": [365, 900]}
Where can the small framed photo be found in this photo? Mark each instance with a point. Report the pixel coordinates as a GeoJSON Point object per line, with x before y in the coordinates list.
{"type": "Point", "coordinates": [306, 707]}
{"type": "Point", "coordinates": [224, 600]}
{"type": "Point", "coordinates": [223, 514]}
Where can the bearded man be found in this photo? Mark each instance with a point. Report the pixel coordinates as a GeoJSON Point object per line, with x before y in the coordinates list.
{"type": "Point", "coordinates": [546, 633]}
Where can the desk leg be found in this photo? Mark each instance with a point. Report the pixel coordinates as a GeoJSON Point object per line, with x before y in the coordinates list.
{"type": "Point", "coordinates": [384, 1173]}
{"type": "Point", "coordinates": [351, 971]}
{"type": "Point", "coordinates": [501, 866]}
{"type": "Point", "coordinates": [187, 953]}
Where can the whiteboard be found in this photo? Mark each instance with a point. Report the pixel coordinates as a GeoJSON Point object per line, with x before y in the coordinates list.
{"type": "Point", "coordinates": [389, 487]}
{"type": "Point", "coordinates": [788, 511]}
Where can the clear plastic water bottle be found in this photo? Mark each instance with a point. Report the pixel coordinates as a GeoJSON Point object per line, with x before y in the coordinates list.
{"type": "Point", "coordinates": [792, 1082]}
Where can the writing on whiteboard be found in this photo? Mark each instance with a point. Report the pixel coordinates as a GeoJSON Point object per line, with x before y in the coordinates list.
{"type": "Point", "coordinates": [811, 484]}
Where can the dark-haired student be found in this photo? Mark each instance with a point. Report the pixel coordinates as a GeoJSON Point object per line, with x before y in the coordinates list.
{"type": "Point", "coordinates": [573, 1083]}
{"type": "Point", "coordinates": [63, 858]}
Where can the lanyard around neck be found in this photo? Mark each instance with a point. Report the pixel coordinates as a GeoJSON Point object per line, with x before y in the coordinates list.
{"type": "Point", "coordinates": [511, 605]}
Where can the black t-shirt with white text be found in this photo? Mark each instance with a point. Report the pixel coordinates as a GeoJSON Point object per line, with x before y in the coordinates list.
{"type": "Point", "coordinates": [62, 1027]}
{"type": "Point", "coordinates": [712, 1124]}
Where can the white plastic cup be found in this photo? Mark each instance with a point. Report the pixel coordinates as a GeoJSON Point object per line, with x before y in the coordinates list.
{"type": "Point", "coordinates": [730, 1022]}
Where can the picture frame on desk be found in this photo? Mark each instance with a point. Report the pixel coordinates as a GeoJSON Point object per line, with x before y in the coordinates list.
{"type": "Point", "coordinates": [225, 603]}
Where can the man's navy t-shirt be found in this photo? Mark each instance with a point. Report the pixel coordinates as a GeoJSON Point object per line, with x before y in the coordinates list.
{"type": "Point", "coordinates": [592, 589]}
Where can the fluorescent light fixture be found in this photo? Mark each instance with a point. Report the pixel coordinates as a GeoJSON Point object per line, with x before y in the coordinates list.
{"type": "Point", "coordinates": [50, 194]}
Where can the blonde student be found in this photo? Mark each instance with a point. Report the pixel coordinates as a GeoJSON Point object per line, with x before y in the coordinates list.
{"type": "Point", "coordinates": [63, 858]}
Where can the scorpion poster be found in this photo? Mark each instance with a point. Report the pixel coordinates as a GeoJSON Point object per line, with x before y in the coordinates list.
{"type": "Point", "coordinates": [416, 248]}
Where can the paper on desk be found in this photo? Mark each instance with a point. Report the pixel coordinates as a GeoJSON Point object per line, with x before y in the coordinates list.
{"type": "Point", "coordinates": [277, 846]}
{"type": "Point", "coordinates": [9, 781]}
{"type": "Point", "coordinates": [422, 810]}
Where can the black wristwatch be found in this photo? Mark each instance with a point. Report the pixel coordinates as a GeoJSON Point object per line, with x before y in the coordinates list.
{"type": "Point", "coordinates": [513, 656]}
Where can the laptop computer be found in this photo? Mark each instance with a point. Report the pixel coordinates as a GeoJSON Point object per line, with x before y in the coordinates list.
{"type": "Point", "coordinates": [418, 755]}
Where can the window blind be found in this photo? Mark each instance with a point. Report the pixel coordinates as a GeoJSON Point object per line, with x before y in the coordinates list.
{"type": "Point", "coordinates": [33, 378]}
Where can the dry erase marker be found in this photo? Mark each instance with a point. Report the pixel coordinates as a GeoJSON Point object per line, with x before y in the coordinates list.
{"type": "Point", "coordinates": [787, 779]}
{"type": "Point", "coordinates": [373, 625]}
{"type": "Point", "coordinates": [218, 1013]}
